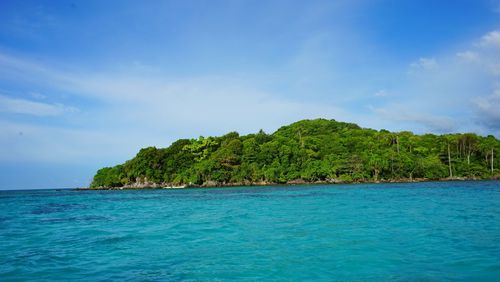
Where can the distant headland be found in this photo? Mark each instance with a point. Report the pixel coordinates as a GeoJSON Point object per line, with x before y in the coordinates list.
{"type": "Point", "coordinates": [306, 152]}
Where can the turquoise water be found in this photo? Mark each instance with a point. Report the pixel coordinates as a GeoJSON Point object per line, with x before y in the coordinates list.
{"type": "Point", "coordinates": [379, 232]}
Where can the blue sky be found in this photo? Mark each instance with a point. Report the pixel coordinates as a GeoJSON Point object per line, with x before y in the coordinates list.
{"type": "Point", "coordinates": [86, 84]}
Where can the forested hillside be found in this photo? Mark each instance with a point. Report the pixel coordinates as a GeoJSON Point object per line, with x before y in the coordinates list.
{"type": "Point", "coordinates": [307, 151]}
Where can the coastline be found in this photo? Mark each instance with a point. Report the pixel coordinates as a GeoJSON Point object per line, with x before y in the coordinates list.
{"type": "Point", "coordinates": [317, 151]}
{"type": "Point", "coordinates": [298, 182]}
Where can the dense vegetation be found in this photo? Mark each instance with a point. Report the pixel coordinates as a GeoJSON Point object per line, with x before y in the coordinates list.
{"type": "Point", "coordinates": [308, 151]}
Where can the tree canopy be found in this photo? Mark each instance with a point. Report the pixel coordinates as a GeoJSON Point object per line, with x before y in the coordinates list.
{"type": "Point", "coordinates": [317, 150]}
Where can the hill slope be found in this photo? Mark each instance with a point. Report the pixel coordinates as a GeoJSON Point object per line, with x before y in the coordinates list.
{"type": "Point", "coordinates": [307, 151]}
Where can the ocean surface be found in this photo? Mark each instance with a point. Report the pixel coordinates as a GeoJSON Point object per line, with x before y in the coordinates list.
{"type": "Point", "coordinates": [447, 231]}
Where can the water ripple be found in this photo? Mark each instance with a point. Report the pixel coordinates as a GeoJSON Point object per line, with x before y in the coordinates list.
{"type": "Point", "coordinates": [366, 232]}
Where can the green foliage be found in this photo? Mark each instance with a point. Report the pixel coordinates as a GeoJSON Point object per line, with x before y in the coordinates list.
{"type": "Point", "coordinates": [309, 150]}
{"type": "Point", "coordinates": [201, 148]}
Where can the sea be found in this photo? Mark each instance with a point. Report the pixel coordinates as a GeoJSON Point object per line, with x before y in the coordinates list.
{"type": "Point", "coordinates": [433, 231]}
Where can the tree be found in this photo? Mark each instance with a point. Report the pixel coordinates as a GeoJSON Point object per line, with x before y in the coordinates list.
{"type": "Point", "coordinates": [312, 150]}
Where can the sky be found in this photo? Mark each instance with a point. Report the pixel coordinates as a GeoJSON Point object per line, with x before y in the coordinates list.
{"type": "Point", "coordinates": [86, 84]}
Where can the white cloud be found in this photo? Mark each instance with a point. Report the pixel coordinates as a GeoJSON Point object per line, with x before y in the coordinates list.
{"type": "Point", "coordinates": [380, 93]}
{"type": "Point", "coordinates": [38, 95]}
{"type": "Point", "coordinates": [491, 39]}
{"type": "Point", "coordinates": [488, 109]}
{"type": "Point", "coordinates": [25, 142]}
{"type": "Point", "coordinates": [425, 64]}
{"type": "Point", "coordinates": [446, 93]}
{"type": "Point", "coordinates": [428, 121]}
{"type": "Point", "coordinates": [30, 72]}
{"type": "Point", "coordinates": [138, 108]}
{"type": "Point", "coordinates": [155, 110]}
{"type": "Point", "coordinates": [22, 106]}
{"type": "Point", "coordinates": [468, 56]}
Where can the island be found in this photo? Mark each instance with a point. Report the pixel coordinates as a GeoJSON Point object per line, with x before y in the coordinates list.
{"type": "Point", "coordinates": [307, 151]}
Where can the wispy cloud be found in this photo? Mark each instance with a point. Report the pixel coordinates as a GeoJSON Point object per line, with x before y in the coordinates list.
{"type": "Point", "coordinates": [155, 108]}
{"type": "Point", "coordinates": [23, 106]}
{"type": "Point", "coordinates": [468, 56]}
{"type": "Point", "coordinates": [381, 93]}
{"type": "Point", "coordinates": [488, 110]}
{"type": "Point", "coordinates": [454, 91]}
{"type": "Point", "coordinates": [421, 120]}
{"type": "Point", "coordinates": [438, 94]}
{"type": "Point", "coordinates": [425, 64]}
{"type": "Point", "coordinates": [23, 142]}
{"type": "Point", "coordinates": [491, 39]}
{"type": "Point", "coordinates": [27, 71]}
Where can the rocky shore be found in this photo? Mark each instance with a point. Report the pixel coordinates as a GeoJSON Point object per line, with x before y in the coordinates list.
{"type": "Point", "coordinates": [214, 184]}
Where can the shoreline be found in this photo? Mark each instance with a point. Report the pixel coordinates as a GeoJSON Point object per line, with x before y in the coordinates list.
{"type": "Point", "coordinates": [149, 186]}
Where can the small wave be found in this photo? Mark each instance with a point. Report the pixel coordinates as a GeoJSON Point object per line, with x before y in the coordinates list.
{"type": "Point", "coordinates": [55, 207]}
{"type": "Point", "coordinates": [75, 219]}
{"type": "Point", "coordinates": [114, 239]}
